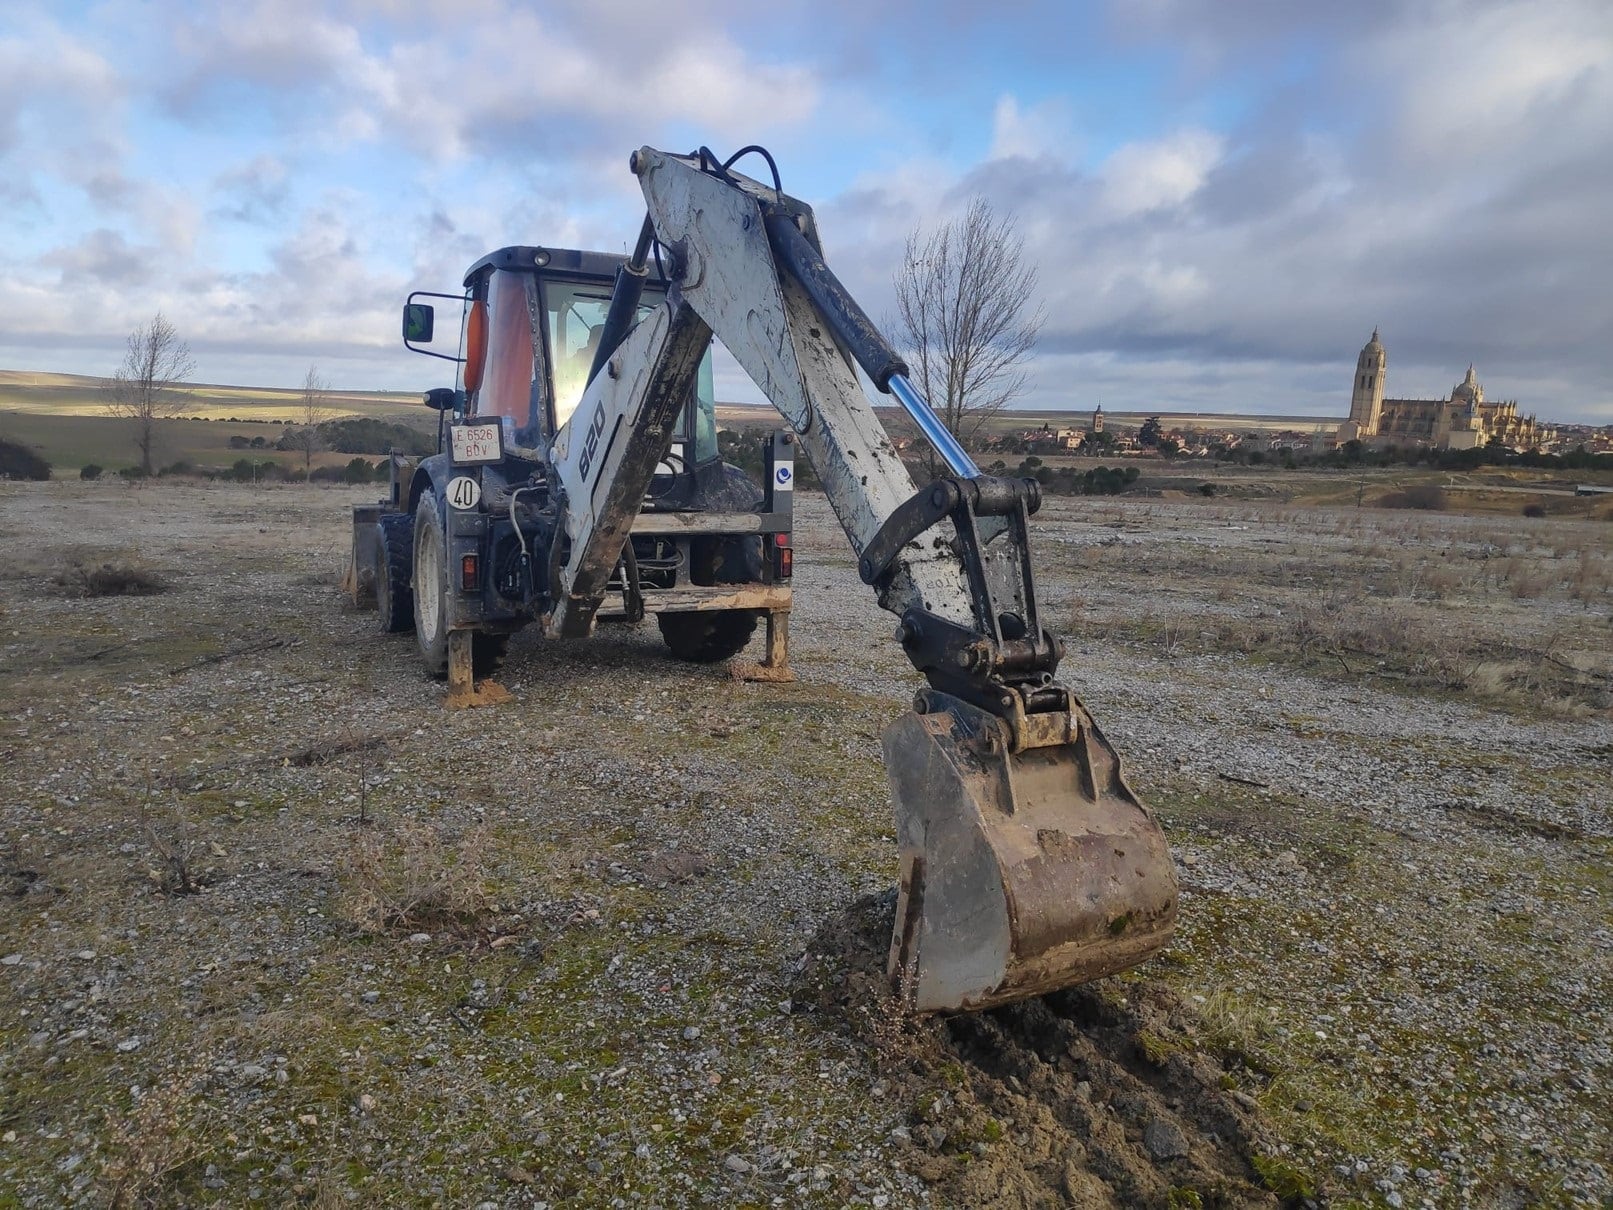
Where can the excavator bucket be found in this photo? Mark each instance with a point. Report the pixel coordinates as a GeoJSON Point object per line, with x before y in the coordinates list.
{"type": "Point", "coordinates": [1022, 871]}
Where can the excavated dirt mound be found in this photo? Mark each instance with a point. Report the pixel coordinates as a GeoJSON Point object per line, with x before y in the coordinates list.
{"type": "Point", "coordinates": [1093, 1097]}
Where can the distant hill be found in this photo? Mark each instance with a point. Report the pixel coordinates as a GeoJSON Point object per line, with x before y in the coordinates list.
{"type": "Point", "coordinates": [62, 418]}
{"type": "Point", "coordinates": [1011, 421]}
{"type": "Point", "coordinates": [43, 394]}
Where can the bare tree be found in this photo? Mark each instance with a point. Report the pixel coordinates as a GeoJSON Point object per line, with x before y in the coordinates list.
{"type": "Point", "coordinates": [313, 410]}
{"type": "Point", "coordinates": [962, 299]}
{"type": "Point", "coordinates": [155, 361]}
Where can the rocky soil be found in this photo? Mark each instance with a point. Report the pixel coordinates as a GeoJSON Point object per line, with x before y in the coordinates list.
{"type": "Point", "coordinates": [281, 930]}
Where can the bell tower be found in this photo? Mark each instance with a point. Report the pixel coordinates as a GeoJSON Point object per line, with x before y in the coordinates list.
{"type": "Point", "coordinates": [1366, 396]}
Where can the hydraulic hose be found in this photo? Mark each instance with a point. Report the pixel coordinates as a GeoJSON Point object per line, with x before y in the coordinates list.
{"type": "Point", "coordinates": [857, 333]}
{"type": "Point", "coordinates": [624, 299]}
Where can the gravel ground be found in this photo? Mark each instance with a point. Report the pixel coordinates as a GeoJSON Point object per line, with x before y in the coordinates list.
{"type": "Point", "coordinates": [1390, 985]}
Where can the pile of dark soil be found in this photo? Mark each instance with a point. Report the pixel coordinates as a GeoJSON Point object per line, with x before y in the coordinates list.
{"type": "Point", "coordinates": [1091, 1097]}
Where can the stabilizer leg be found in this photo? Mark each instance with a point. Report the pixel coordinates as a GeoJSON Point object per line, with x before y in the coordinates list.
{"type": "Point", "coordinates": [463, 690]}
{"type": "Point", "coordinates": [775, 666]}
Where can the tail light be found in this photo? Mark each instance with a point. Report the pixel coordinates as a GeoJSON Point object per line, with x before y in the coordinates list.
{"type": "Point", "coordinates": [783, 557]}
{"type": "Point", "coordinates": [468, 569]}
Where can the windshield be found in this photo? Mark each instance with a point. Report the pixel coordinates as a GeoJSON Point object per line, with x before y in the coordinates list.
{"type": "Point", "coordinates": [576, 321]}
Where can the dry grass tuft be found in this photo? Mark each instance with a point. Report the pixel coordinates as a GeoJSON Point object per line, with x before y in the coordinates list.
{"type": "Point", "coordinates": [417, 878]}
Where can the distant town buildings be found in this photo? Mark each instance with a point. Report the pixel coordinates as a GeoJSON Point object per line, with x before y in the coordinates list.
{"type": "Point", "coordinates": [1464, 421]}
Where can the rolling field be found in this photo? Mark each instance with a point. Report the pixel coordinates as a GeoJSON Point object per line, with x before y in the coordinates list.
{"type": "Point", "coordinates": [63, 418]}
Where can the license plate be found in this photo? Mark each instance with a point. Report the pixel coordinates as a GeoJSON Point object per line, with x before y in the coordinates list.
{"type": "Point", "coordinates": [470, 444]}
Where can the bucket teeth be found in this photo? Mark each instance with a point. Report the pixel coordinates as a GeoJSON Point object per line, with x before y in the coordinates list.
{"type": "Point", "coordinates": [1021, 872]}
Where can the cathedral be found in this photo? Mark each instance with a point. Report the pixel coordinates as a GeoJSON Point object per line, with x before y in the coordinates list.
{"type": "Point", "coordinates": [1464, 421]}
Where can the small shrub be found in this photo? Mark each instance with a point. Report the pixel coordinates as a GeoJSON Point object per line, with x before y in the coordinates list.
{"type": "Point", "coordinates": [158, 1136]}
{"type": "Point", "coordinates": [89, 471]}
{"type": "Point", "coordinates": [416, 878]}
{"type": "Point", "coordinates": [1534, 510]}
{"type": "Point", "coordinates": [134, 472]}
{"type": "Point", "coordinates": [180, 467]}
{"type": "Point", "coordinates": [111, 580]}
{"type": "Point", "coordinates": [1426, 496]}
{"type": "Point", "coordinates": [20, 462]}
{"type": "Point", "coordinates": [1207, 489]}
{"type": "Point", "coordinates": [358, 470]}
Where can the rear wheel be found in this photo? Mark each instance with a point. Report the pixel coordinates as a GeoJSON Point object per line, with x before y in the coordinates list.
{"type": "Point", "coordinates": [718, 634]}
{"type": "Point", "coordinates": [431, 599]}
{"type": "Point", "coordinates": [705, 638]}
{"type": "Point", "coordinates": [394, 571]}
{"type": "Point", "coordinates": [430, 585]}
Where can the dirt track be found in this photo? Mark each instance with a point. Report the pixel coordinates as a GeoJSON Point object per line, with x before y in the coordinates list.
{"type": "Point", "coordinates": [643, 983]}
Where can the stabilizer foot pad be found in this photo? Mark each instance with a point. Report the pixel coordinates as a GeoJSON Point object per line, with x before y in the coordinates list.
{"type": "Point", "coordinates": [741, 670]}
{"type": "Point", "coordinates": [484, 693]}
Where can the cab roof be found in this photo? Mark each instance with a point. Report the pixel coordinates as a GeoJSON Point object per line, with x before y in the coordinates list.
{"type": "Point", "coordinates": [572, 262]}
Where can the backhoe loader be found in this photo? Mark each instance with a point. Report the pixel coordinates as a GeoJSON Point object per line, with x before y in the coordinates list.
{"type": "Point", "coordinates": [577, 466]}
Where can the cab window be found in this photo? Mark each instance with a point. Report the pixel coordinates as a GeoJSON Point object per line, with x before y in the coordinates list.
{"type": "Point", "coordinates": [576, 313]}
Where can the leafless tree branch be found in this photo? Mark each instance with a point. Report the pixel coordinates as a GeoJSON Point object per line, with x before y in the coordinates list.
{"type": "Point", "coordinates": [313, 410]}
{"type": "Point", "coordinates": [141, 389]}
{"type": "Point", "coordinates": [962, 294]}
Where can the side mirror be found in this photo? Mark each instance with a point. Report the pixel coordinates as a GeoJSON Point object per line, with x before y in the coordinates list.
{"type": "Point", "coordinates": [442, 399]}
{"type": "Point", "coordinates": [418, 322]}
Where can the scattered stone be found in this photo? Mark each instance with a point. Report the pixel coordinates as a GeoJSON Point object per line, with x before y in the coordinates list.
{"type": "Point", "coordinates": [419, 938]}
{"type": "Point", "coordinates": [370, 997]}
{"type": "Point", "coordinates": [735, 1163]}
{"type": "Point", "coordinates": [11, 960]}
{"type": "Point", "coordinates": [1164, 1140]}
{"type": "Point", "coordinates": [691, 1032]}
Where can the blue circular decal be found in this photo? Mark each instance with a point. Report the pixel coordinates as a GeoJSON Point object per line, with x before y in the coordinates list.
{"type": "Point", "coordinates": [782, 475]}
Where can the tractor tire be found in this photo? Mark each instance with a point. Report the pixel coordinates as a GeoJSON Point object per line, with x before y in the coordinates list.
{"type": "Point", "coordinates": [431, 585]}
{"type": "Point", "coordinates": [706, 638]}
{"type": "Point", "coordinates": [394, 573]}
{"type": "Point", "coordinates": [431, 603]}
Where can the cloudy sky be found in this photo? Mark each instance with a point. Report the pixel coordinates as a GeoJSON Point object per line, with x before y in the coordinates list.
{"type": "Point", "coordinates": [1223, 196]}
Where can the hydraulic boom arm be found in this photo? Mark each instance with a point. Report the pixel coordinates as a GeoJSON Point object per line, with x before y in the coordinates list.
{"type": "Point", "coordinates": [1027, 862]}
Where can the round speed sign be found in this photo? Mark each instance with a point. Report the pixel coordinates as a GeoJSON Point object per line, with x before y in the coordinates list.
{"type": "Point", "coordinates": [464, 492]}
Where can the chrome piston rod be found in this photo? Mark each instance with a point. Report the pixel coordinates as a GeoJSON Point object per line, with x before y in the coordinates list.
{"type": "Point", "coordinates": [955, 456]}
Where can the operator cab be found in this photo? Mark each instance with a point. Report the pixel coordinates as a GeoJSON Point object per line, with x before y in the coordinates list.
{"type": "Point", "coordinates": [531, 321]}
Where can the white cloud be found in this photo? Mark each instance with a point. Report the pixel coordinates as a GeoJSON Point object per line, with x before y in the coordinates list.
{"type": "Point", "coordinates": [1478, 86]}
{"type": "Point", "coordinates": [1160, 173]}
{"type": "Point", "coordinates": [1042, 129]}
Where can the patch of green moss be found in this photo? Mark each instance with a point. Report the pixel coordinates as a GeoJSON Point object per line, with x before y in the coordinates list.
{"type": "Point", "coordinates": [1283, 1178]}
{"type": "Point", "coordinates": [1155, 1049]}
